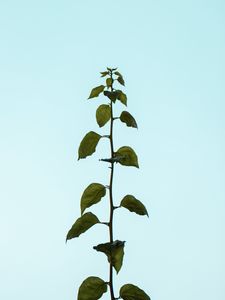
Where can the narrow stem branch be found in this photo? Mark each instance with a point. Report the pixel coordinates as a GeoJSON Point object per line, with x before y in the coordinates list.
{"type": "Point", "coordinates": [105, 223]}
{"type": "Point", "coordinates": [115, 207]}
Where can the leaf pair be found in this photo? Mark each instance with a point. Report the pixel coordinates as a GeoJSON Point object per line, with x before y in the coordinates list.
{"type": "Point", "coordinates": [95, 191]}
{"type": "Point", "coordinates": [92, 195]}
{"type": "Point", "coordinates": [116, 95]}
{"type": "Point", "coordinates": [126, 155]}
{"type": "Point", "coordinates": [92, 288]}
{"type": "Point", "coordinates": [103, 115]}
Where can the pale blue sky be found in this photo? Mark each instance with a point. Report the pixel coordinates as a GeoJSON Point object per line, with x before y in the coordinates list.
{"type": "Point", "coordinates": [172, 56]}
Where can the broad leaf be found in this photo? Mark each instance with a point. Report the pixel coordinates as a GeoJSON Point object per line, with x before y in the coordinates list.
{"type": "Point", "coordinates": [88, 144]}
{"type": "Point", "coordinates": [121, 80]}
{"type": "Point", "coordinates": [109, 82]}
{"type": "Point", "coordinates": [96, 91]}
{"type": "Point", "coordinates": [122, 97]}
{"type": "Point", "coordinates": [127, 157]}
{"type": "Point", "coordinates": [92, 288]}
{"type": "Point", "coordinates": [103, 114]}
{"type": "Point", "coordinates": [92, 195]}
{"type": "Point", "coordinates": [132, 292]}
{"type": "Point", "coordinates": [114, 252]}
{"type": "Point", "coordinates": [81, 225]}
{"type": "Point", "coordinates": [134, 205]}
{"type": "Point", "coordinates": [127, 118]}
{"type": "Point", "coordinates": [103, 74]}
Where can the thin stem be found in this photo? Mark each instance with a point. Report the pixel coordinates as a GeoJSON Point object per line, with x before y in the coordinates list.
{"type": "Point", "coordinates": [111, 195]}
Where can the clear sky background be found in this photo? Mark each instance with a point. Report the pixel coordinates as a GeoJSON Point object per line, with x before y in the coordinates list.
{"type": "Point", "coordinates": [171, 54]}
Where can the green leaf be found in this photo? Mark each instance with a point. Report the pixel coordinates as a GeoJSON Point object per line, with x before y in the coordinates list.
{"type": "Point", "coordinates": [121, 80]}
{"type": "Point", "coordinates": [117, 257]}
{"type": "Point", "coordinates": [132, 292]}
{"type": "Point", "coordinates": [92, 288]}
{"type": "Point", "coordinates": [92, 195]}
{"type": "Point", "coordinates": [103, 114]}
{"type": "Point", "coordinates": [111, 95]}
{"type": "Point", "coordinates": [81, 225]}
{"type": "Point", "coordinates": [109, 82]}
{"type": "Point", "coordinates": [96, 91]}
{"type": "Point", "coordinates": [127, 118]}
{"type": "Point", "coordinates": [134, 205]}
{"type": "Point", "coordinates": [88, 144]}
{"type": "Point", "coordinates": [118, 74]}
{"type": "Point", "coordinates": [114, 252]}
{"type": "Point", "coordinates": [127, 157]}
{"type": "Point", "coordinates": [122, 97]}
{"type": "Point", "coordinates": [104, 74]}
{"type": "Point", "coordinates": [109, 69]}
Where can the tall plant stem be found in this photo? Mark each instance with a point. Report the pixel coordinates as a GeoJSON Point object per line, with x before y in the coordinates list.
{"type": "Point", "coordinates": [111, 196]}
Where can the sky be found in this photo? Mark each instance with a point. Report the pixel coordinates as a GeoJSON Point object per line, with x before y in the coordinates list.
{"type": "Point", "coordinates": [171, 54]}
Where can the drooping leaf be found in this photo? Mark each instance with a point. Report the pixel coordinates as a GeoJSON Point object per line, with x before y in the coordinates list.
{"type": "Point", "coordinates": [103, 114]}
{"type": "Point", "coordinates": [114, 252]}
{"type": "Point", "coordinates": [127, 157]}
{"type": "Point", "coordinates": [111, 95]}
{"type": "Point", "coordinates": [81, 225]}
{"type": "Point", "coordinates": [96, 91]}
{"type": "Point", "coordinates": [109, 82]}
{"type": "Point", "coordinates": [134, 205]}
{"type": "Point", "coordinates": [132, 292]}
{"type": "Point", "coordinates": [88, 144]}
{"type": "Point", "coordinates": [103, 74]}
{"type": "Point", "coordinates": [92, 195]}
{"type": "Point", "coordinates": [117, 257]}
{"type": "Point", "coordinates": [121, 80]}
{"type": "Point", "coordinates": [127, 118]}
{"type": "Point", "coordinates": [118, 74]}
{"type": "Point", "coordinates": [122, 97]}
{"type": "Point", "coordinates": [92, 288]}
